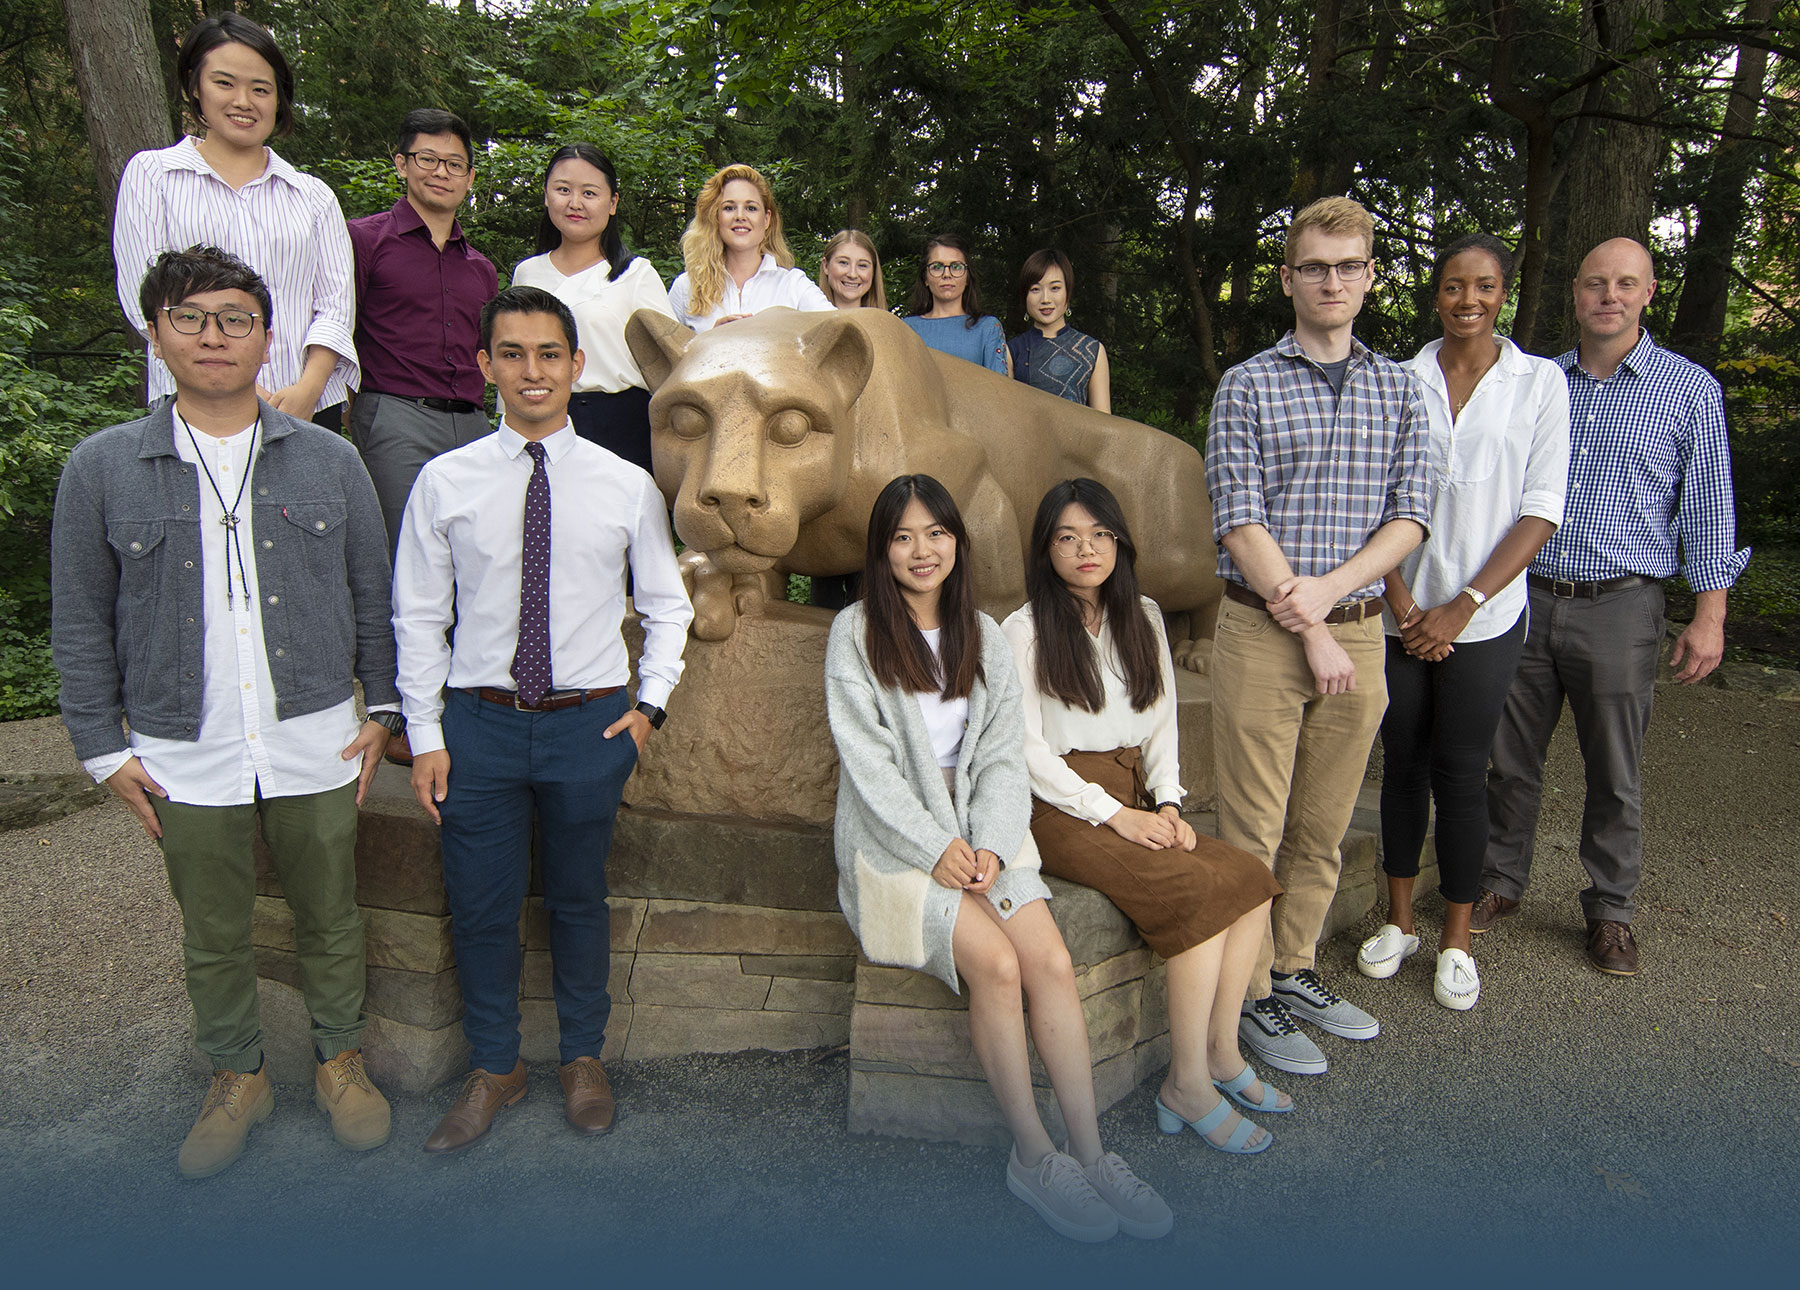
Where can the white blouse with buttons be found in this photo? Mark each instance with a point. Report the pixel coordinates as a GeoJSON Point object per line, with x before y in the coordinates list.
{"type": "Point", "coordinates": [244, 746]}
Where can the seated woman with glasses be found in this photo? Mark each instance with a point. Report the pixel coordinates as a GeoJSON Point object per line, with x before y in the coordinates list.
{"type": "Point", "coordinates": [227, 188]}
{"type": "Point", "coordinates": [582, 261]}
{"type": "Point", "coordinates": [946, 307]}
{"type": "Point", "coordinates": [1050, 355]}
{"type": "Point", "coordinates": [1102, 748]}
{"type": "Point", "coordinates": [736, 256]}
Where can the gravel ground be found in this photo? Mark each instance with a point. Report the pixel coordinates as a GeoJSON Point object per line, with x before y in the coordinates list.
{"type": "Point", "coordinates": [1570, 1123]}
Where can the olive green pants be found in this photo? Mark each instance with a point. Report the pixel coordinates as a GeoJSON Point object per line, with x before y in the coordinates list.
{"type": "Point", "coordinates": [212, 871]}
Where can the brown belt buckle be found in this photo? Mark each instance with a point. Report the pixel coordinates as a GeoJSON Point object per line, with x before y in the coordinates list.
{"type": "Point", "coordinates": [1556, 589]}
{"type": "Point", "coordinates": [520, 707]}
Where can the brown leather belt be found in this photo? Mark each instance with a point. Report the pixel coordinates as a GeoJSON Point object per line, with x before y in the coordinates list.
{"type": "Point", "coordinates": [1563, 589]}
{"type": "Point", "coordinates": [1353, 612]}
{"type": "Point", "coordinates": [550, 702]}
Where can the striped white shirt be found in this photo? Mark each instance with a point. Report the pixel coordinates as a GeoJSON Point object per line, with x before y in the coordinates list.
{"type": "Point", "coordinates": [285, 225]}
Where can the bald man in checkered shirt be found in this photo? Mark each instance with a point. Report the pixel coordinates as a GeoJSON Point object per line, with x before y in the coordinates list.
{"type": "Point", "coordinates": [1649, 495]}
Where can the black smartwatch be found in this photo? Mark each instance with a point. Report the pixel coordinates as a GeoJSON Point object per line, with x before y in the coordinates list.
{"type": "Point", "coordinates": [394, 721]}
{"type": "Point", "coordinates": [657, 715]}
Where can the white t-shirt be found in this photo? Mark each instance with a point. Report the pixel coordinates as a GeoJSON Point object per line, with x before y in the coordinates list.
{"type": "Point", "coordinates": [771, 286]}
{"type": "Point", "coordinates": [945, 719]}
{"type": "Point", "coordinates": [601, 310]}
{"type": "Point", "coordinates": [1505, 457]}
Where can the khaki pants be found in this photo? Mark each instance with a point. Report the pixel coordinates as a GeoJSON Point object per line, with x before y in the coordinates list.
{"type": "Point", "coordinates": [1290, 763]}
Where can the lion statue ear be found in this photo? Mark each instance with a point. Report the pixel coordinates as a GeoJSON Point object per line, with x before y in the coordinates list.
{"type": "Point", "coordinates": [657, 343]}
{"type": "Point", "coordinates": [842, 355]}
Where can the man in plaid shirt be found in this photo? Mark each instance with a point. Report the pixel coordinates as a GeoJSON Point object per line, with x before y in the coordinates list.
{"type": "Point", "coordinates": [1649, 493]}
{"type": "Point", "coordinates": [1316, 464]}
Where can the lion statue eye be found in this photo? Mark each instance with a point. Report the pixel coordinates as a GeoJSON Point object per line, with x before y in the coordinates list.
{"type": "Point", "coordinates": [689, 421]}
{"type": "Point", "coordinates": [789, 427]}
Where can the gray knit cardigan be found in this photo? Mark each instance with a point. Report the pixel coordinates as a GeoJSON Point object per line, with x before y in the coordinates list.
{"type": "Point", "coordinates": [895, 816]}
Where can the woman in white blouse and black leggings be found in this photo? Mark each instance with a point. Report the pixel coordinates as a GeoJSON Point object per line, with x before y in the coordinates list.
{"type": "Point", "coordinates": [1456, 607]}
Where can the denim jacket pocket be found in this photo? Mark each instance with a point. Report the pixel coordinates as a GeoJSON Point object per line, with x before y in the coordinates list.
{"type": "Point", "coordinates": [136, 543]}
{"type": "Point", "coordinates": [314, 518]}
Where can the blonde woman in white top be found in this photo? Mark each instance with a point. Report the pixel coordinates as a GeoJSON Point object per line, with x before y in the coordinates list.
{"type": "Point", "coordinates": [736, 256]}
{"type": "Point", "coordinates": [582, 261]}
{"type": "Point", "coordinates": [1456, 607]}
{"type": "Point", "coordinates": [229, 189]}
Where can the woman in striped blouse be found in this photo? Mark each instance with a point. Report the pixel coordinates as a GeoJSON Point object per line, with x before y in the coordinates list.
{"type": "Point", "coordinates": [227, 188]}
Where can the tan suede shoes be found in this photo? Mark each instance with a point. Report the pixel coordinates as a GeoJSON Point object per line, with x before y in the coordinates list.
{"type": "Point", "coordinates": [483, 1094]}
{"type": "Point", "coordinates": [359, 1113]}
{"type": "Point", "coordinates": [587, 1097]}
{"type": "Point", "coordinates": [235, 1103]}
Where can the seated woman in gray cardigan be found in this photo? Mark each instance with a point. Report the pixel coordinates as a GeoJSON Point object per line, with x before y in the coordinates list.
{"type": "Point", "coordinates": [936, 867]}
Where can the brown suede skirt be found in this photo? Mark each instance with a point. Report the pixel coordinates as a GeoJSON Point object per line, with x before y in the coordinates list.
{"type": "Point", "coordinates": [1177, 899]}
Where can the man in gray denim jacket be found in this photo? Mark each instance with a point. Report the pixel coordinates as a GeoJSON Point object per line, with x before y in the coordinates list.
{"type": "Point", "coordinates": [219, 575]}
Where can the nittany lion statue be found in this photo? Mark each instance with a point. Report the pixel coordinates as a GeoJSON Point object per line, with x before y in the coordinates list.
{"type": "Point", "coordinates": [772, 436]}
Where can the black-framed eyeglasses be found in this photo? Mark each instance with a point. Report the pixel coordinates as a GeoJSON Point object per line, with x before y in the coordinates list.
{"type": "Point", "coordinates": [1101, 540]}
{"type": "Point", "coordinates": [190, 320]}
{"type": "Point", "coordinates": [1347, 270]}
{"type": "Point", "coordinates": [937, 269]}
{"type": "Point", "coordinates": [431, 161]}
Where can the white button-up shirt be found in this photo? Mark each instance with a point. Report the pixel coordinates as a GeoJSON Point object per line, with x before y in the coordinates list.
{"type": "Point", "coordinates": [461, 547]}
{"type": "Point", "coordinates": [1506, 456]}
{"type": "Point", "coordinates": [244, 748]}
{"type": "Point", "coordinates": [285, 225]}
{"type": "Point", "coordinates": [769, 287]}
{"type": "Point", "coordinates": [601, 309]}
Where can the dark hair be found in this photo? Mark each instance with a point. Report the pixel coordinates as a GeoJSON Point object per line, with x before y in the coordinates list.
{"type": "Point", "coordinates": [1036, 265]}
{"type": "Point", "coordinates": [1068, 666]}
{"type": "Point", "coordinates": [1484, 242]}
{"type": "Point", "coordinates": [922, 300]}
{"type": "Point", "coordinates": [434, 121]}
{"type": "Point", "coordinates": [526, 300]}
{"type": "Point", "coordinates": [898, 654]}
{"type": "Point", "coordinates": [233, 29]}
{"type": "Point", "coordinates": [177, 275]}
{"type": "Point", "coordinates": [612, 242]}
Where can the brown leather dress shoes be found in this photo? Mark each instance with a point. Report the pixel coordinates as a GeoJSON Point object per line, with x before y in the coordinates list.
{"type": "Point", "coordinates": [1490, 909]}
{"type": "Point", "coordinates": [1611, 947]}
{"type": "Point", "coordinates": [587, 1097]}
{"type": "Point", "coordinates": [483, 1094]}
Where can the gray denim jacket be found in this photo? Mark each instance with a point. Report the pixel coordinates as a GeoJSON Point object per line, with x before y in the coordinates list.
{"type": "Point", "coordinates": [127, 632]}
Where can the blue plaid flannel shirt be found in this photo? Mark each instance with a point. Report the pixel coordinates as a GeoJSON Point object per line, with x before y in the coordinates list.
{"type": "Point", "coordinates": [1649, 476]}
{"type": "Point", "coordinates": [1321, 471]}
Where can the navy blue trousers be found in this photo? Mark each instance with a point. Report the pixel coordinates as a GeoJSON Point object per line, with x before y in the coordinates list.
{"type": "Point", "coordinates": [504, 765]}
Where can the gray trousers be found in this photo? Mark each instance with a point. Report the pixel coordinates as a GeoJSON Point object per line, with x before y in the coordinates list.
{"type": "Point", "coordinates": [397, 437]}
{"type": "Point", "coordinates": [1601, 655]}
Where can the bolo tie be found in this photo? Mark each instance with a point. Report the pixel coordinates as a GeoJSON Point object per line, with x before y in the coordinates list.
{"type": "Point", "coordinates": [230, 517]}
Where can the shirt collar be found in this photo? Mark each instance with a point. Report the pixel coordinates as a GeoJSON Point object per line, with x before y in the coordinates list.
{"type": "Point", "coordinates": [159, 428]}
{"type": "Point", "coordinates": [1513, 361]}
{"type": "Point", "coordinates": [556, 446]}
{"type": "Point", "coordinates": [186, 156]}
{"type": "Point", "coordinates": [407, 218]}
{"type": "Point", "coordinates": [1639, 358]}
{"type": "Point", "coordinates": [768, 265]}
{"type": "Point", "coordinates": [1289, 347]}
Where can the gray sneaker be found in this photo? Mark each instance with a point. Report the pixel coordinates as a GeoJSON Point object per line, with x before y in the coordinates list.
{"type": "Point", "coordinates": [1061, 1194]}
{"type": "Point", "coordinates": [1268, 1030]}
{"type": "Point", "coordinates": [1310, 999]}
{"type": "Point", "coordinates": [1141, 1211]}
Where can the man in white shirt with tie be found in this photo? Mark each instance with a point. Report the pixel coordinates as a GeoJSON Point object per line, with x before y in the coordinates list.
{"type": "Point", "coordinates": [523, 540]}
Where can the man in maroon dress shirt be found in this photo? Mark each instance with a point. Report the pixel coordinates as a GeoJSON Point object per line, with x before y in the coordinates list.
{"type": "Point", "coordinates": [420, 288]}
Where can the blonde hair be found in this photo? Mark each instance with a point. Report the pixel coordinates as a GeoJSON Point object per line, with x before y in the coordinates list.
{"type": "Point", "coordinates": [1334, 217]}
{"type": "Point", "coordinates": [876, 296]}
{"type": "Point", "coordinates": [703, 255]}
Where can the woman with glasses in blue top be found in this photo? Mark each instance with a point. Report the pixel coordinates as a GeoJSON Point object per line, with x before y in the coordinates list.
{"type": "Point", "coordinates": [946, 307]}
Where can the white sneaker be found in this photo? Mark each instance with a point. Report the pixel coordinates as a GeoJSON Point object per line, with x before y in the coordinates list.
{"type": "Point", "coordinates": [1457, 985]}
{"type": "Point", "coordinates": [1063, 1197]}
{"type": "Point", "coordinates": [1383, 953]}
{"type": "Point", "coordinates": [1141, 1211]}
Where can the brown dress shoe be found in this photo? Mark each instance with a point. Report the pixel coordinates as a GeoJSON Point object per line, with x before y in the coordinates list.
{"type": "Point", "coordinates": [1490, 909]}
{"type": "Point", "coordinates": [1611, 947]}
{"type": "Point", "coordinates": [399, 751]}
{"type": "Point", "coordinates": [587, 1097]}
{"type": "Point", "coordinates": [483, 1094]}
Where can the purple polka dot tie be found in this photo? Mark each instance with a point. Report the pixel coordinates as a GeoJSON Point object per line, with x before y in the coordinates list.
{"type": "Point", "coordinates": [531, 662]}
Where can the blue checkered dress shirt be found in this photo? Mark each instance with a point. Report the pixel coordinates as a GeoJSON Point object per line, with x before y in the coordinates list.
{"type": "Point", "coordinates": [1321, 471]}
{"type": "Point", "coordinates": [1649, 473]}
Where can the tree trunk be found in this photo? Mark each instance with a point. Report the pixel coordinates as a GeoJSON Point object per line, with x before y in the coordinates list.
{"type": "Point", "coordinates": [1612, 184]}
{"type": "Point", "coordinates": [1706, 286]}
{"type": "Point", "coordinates": [1318, 148]}
{"type": "Point", "coordinates": [120, 82]}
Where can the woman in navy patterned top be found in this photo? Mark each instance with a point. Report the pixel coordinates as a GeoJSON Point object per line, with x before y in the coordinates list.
{"type": "Point", "coordinates": [1051, 355]}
